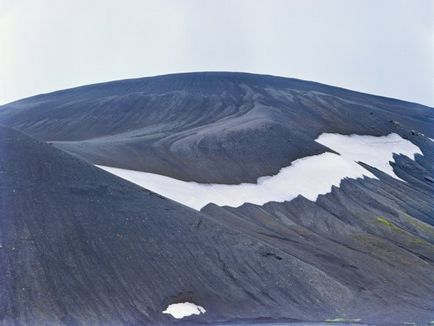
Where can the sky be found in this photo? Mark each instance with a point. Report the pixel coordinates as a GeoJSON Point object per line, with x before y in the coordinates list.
{"type": "Point", "coordinates": [383, 47]}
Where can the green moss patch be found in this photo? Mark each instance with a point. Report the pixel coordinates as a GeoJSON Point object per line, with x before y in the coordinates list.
{"type": "Point", "coordinates": [390, 225]}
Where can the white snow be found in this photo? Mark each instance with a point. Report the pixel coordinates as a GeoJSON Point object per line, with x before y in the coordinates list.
{"type": "Point", "coordinates": [374, 151]}
{"type": "Point", "coordinates": [181, 310]}
{"type": "Point", "coordinates": [309, 176]}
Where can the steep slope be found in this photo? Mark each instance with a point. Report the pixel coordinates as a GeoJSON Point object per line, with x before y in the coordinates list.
{"type": "Point", "coordinates": [80, 246]}
{"type": "Point", "coordinates": [374, 235]}
{"type": "Point", "coordinates": [207, 127]}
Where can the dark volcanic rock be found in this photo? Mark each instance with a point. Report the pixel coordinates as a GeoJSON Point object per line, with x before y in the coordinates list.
{"type": "Point", "coordinates": [79, 246]}
{"type": "Point", "coordinates": [374, 236]}
{"type": "Point", "coordinates": [207, 127]}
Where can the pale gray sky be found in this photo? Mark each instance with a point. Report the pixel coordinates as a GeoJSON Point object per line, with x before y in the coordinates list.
{"type": "Point", "coordinates": [384, 47]}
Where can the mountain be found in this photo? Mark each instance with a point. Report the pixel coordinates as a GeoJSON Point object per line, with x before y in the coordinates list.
{"type": "Point", "coordinates": [207, 127]}
{"type": "Point", "coordinates": [81, 246]}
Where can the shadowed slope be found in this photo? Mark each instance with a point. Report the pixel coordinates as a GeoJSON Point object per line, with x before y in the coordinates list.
{"type": "Point", "coordinates": [80, 246]}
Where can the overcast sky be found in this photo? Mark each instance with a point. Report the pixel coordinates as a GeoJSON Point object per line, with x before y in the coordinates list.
{"type": "Point", "coordinates": [384, 47]}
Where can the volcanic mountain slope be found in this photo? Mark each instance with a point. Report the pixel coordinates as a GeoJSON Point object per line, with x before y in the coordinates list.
{"type": "Point", "coordinates": [80, 246]}
{"type": "Point", "coordinates": [375, 236]}
{"type": "Point", "coordinates": [103, 250]}
{"type": "Point", "coordinates": [207, 127]}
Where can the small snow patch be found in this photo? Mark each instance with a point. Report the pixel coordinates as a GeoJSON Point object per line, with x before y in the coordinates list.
{"type": "Point", "coordinates": [181, 310]}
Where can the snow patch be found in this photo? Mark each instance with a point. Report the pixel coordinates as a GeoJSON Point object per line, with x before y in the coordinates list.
{"type": "Point", "coordinates": [309, 176]}
{"type": "Point", "coordinates": [181, 310]}
{"type": "Point", "coordinates": [374, 151]}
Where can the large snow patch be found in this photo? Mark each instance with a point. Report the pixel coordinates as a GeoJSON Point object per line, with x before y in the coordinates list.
{"type": "Point", "coordinates": [310, 176]}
